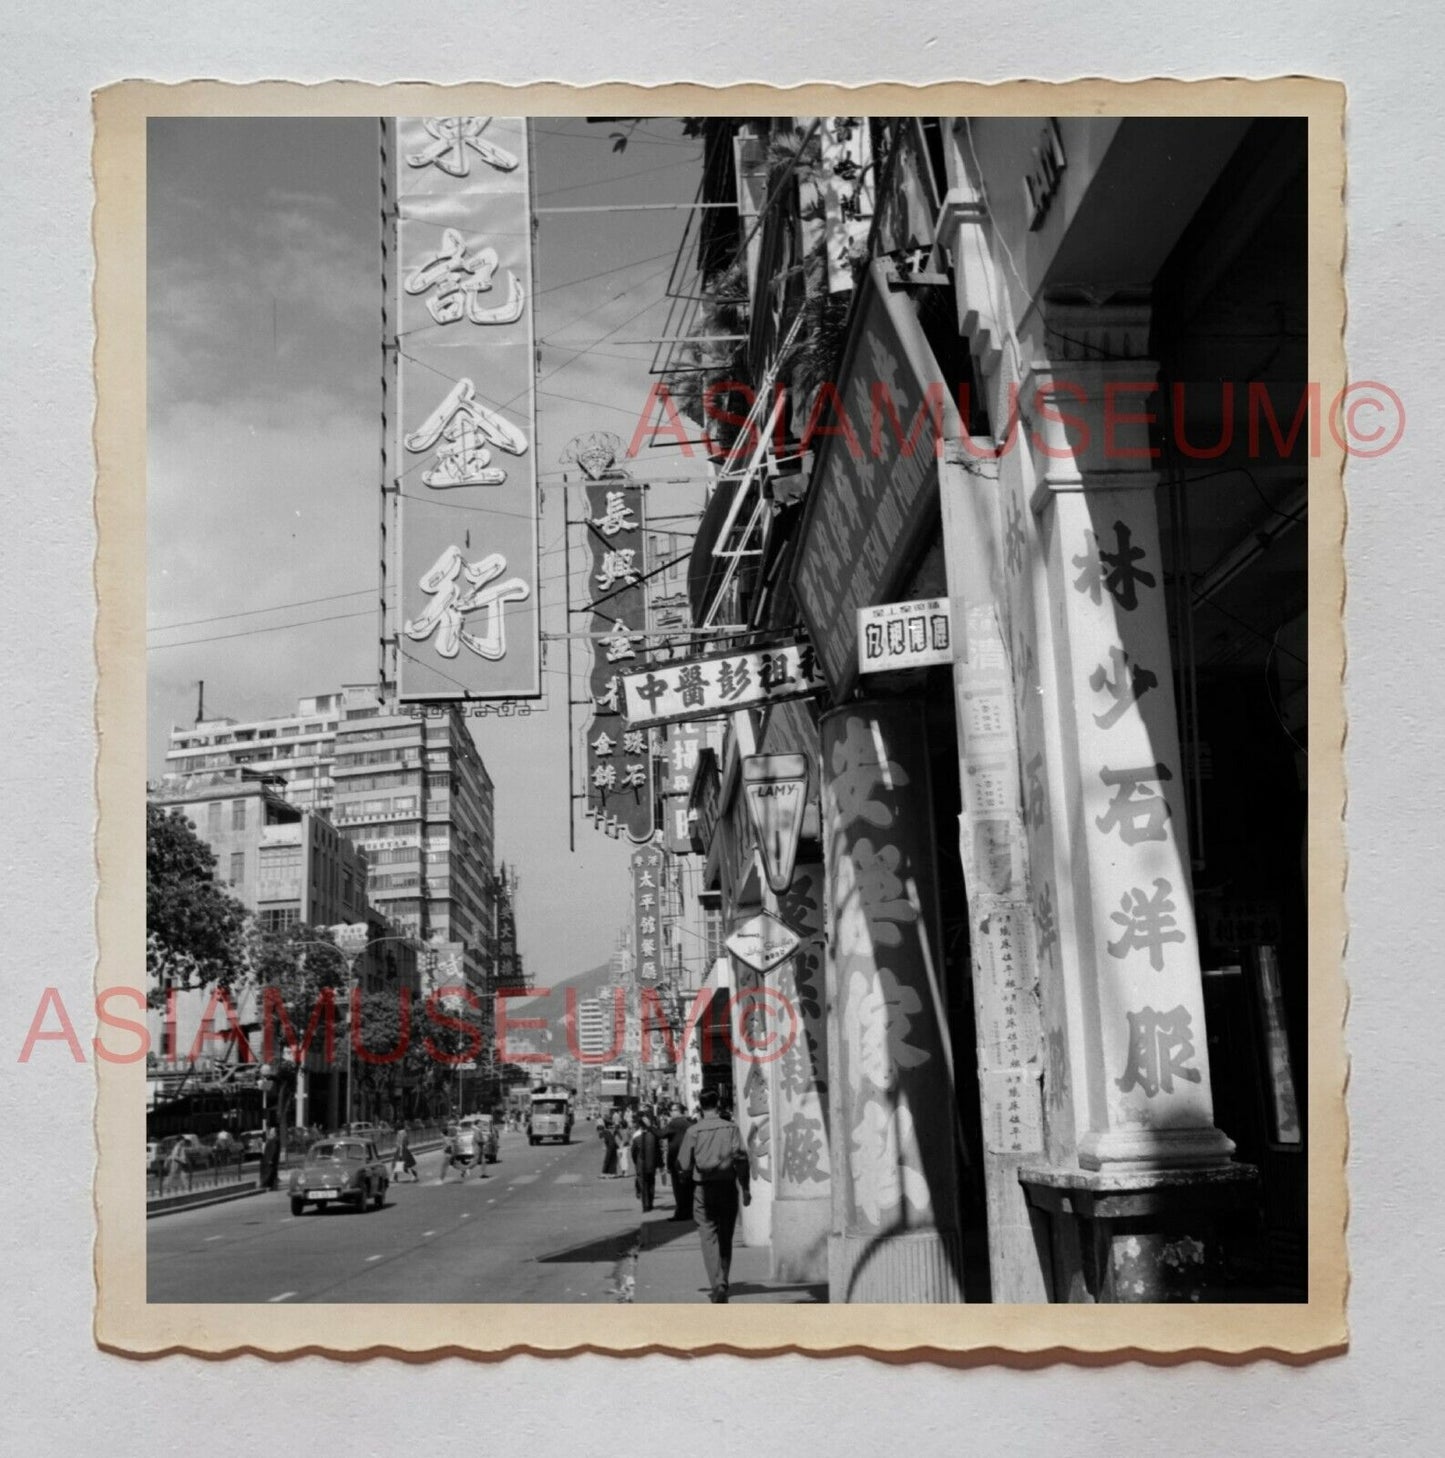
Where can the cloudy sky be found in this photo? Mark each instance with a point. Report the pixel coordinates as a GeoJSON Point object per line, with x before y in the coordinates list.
{"type": "Point", "coordinates": [264, 432]}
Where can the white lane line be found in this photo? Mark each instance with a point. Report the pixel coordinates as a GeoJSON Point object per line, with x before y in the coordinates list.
{"type": "Point", "coordinates": [426, 1233]}
{"type": "Point", "coordinates": [523, 1179]}
{"type": "Point", "coordinates": [466, 1214]}
{"type": "Point", "coordinates": [284, 1296]}
{"type": "Point", "coordinates": [568, 1179]}
{"type": "Point", "coordinates": [492, 1201]}
{"type": "Point", "coordinates": [369, 1259]}
{"type": "Point", "coordinates": [215, 1237]}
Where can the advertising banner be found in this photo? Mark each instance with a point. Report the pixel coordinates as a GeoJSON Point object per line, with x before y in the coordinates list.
{"type": "Point", "coordinates": [462, 460]}
{"type": "Point", "coordinates": [619, 756]}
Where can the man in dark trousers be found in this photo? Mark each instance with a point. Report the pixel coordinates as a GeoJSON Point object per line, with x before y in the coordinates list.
{"type": "Point", "coordinates": [713, 1156]}
{"type": "Point", "coordinates": [676, 1127]}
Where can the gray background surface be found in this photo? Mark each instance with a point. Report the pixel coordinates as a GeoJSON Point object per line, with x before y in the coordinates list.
{"type": "Point", "coordinates": [62, 1395]}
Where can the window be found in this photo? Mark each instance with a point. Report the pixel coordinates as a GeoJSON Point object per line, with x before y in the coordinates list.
{"type": "Point", "coordinates": [238, 814]}
{"type": "Point", "coordinates": [238, 867]}
{"type": "Point", "coordinates": [279, 919]}
{"type": "Point", "coordinates": [213, 817]}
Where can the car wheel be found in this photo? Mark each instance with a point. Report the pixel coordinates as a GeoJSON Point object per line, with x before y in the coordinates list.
{"type": "Point", "coordinates": [298, 1207]}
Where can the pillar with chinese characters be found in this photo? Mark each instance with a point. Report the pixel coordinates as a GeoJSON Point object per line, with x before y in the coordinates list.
{"type": "Point", "coordinates": [1139, 1003]}
{"type": "Point", "coordinates": [893, 1120]}
{"type": "Point", "coordinates": [802, 1182]}
{"type": "Point", "coordinates": [752, 1033]}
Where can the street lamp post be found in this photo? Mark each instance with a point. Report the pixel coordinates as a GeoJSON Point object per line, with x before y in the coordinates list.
{"type": "Point", "coordinates": [352, 938]}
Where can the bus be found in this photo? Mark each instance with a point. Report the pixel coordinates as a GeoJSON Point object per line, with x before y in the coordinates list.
{"type": "Point", "coordinates": [551, 1116]}
{"type": "Point", "coordinates": [614, 1085]}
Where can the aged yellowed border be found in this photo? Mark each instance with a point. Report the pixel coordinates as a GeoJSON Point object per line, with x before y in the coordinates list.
{"type": "Point", "coordinates": [1024, 1335]}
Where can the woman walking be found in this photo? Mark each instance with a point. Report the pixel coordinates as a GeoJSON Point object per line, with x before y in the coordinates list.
{"type": "Point", "coordinates": [404, 1157]}
{"type": "Point", "coordinates": [609, 1149]}
{"type": "Point", "coordinates": [624, 1146]}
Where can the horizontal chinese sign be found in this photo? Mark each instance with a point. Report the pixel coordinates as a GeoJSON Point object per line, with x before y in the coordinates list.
{"type": "Point", "coordinates": [458, 271]}
{"type": "Point", "coordinates": [703, 687]}
{"type": "Point", "coordinates": [898, 635]}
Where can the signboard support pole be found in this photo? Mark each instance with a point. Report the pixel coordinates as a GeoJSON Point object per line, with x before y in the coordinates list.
{"type": "Point", "coordinates": [567, 653]}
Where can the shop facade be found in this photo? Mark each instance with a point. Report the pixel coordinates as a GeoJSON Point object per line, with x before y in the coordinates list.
{"type": "Point", "coordinates": [1052, 887]}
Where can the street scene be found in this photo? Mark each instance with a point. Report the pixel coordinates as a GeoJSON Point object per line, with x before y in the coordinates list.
{"type": "Point", "coordinates": [728, 710]}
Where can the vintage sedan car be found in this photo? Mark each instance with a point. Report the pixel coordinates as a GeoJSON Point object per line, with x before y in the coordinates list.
{"type": "Point", "coordinates": [340, 1172]}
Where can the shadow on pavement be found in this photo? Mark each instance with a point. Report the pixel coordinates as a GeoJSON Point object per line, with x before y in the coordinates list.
{"type": "Point", "coordinates": [609, 1248]}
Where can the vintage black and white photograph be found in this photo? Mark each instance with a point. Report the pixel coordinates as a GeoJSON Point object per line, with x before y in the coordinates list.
{"type": "Point", "coordinates": [728, 712]}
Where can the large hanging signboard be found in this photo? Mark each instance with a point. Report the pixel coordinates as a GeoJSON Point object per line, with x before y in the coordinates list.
{"type": "Point", "coordinates": [462, 459]}
{"type": "Point", "coordinates": [619, 757]}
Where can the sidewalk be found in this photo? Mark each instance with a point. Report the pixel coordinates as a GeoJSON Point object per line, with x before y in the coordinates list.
{"type": "Point", "coordinates": [669, 1268]}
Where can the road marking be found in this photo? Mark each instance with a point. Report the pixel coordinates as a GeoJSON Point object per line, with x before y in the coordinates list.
{"type": "Point", "coordinates": [523, 1179]}
{"type": "Point", "coordinates": [568, 1179]}
{"type": "Point", "coordinates": [284, 1296]}
{"type": "Point", "coordinates": [369, 1259]}
{"type": "Point", "coordinates": [492, 1201]}
{"type": "Point", "coordinates": [215, 1237]}
{"type": "Point", "coordinates": [466, 1214]}
{"type": "Point", "coordinates": [426, 1233]}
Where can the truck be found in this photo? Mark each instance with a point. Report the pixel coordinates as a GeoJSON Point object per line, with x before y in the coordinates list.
{"type": "Point", "coordinates": [550, 1116]}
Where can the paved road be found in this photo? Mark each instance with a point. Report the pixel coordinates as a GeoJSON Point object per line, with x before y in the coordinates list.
{"type": "Point", "coordinates": [541, 1227]}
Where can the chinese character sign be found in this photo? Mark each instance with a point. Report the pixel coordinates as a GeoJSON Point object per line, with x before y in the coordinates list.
{"type": "Point", "coordinates": [460, 340]}
{"type": "Point", "coordinates": [619, 756]}
{"type": "Point", "coordinates": [705, 687]}
{"type": "Point", "coordinates": [649, 875]}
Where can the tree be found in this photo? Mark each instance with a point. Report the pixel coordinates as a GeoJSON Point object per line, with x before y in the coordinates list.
{"type": "Point", "coordinates": [195, 929]}
{"type": "Point", "coordinates": [294, 969]}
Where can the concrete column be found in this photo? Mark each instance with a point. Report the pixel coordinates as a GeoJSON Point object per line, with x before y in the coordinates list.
{"type": "Point", "coordinates": [752, 1034]}
{"type": "Point", "coordinates": [802, 1166]}
{"type": "Point", "coordinates": [894, 1136]}
{"type": "Point", "coordinates": [1147, 1101]}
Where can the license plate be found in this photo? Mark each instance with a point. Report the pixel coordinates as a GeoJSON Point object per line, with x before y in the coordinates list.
{"type": "Point", "coordinates": [320, 1194]}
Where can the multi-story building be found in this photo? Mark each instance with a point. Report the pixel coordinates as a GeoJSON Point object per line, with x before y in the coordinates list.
{"type": "Point", "coordinates": [414, 794]}
{"type": "Point", "coordinates": [411, 792]}
{"type": "Point", "coordinates": [289, 867]}
{"type": "Point", "coordinates": [298, 747]}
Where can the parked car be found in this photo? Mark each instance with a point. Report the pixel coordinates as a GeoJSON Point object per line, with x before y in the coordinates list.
{"type": "Point", "coordinates": [340, 1171]}
{"type": "Point", "coordinates": [486, 1128]}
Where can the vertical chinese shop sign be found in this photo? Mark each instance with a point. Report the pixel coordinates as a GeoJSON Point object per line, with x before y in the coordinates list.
{"type": "Point", "coordinates": [647, 876]}
{"type": "Point", "coordinates": [619, 757]}
{"type": "Point", "coordinates": [465, 470]}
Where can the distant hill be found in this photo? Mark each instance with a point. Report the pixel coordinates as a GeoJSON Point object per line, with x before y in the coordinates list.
{"type": "Point", "coordinates": [553, 1006]}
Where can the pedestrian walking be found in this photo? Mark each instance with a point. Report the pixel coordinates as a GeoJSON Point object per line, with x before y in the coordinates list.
{"type": "Point", "coordinates": [678, 1125]}
{"type": "Point", "coordinates": [624, 1146]}
{"type": "Point", "coordinates": [178, 1164]}
{"type": "Point", "coordinates": [608, 1137]}
{"type": "Point", "coordinates": [403, 1161]}
{"type": "Point", "coordinates": [645, 1151]}
{"type": "Point", "coordinates": [271, 1159]}
{"type": "Point", "coordinates": [714, 1157]}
